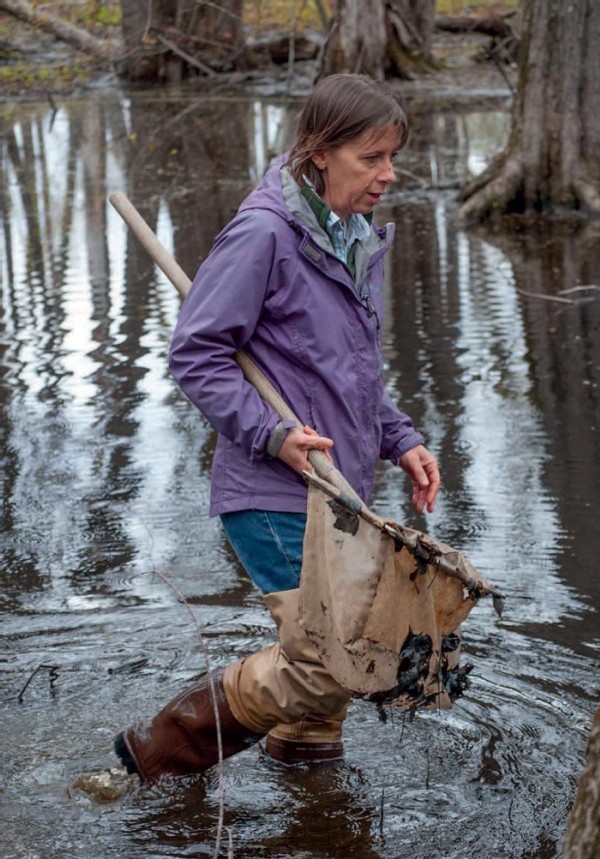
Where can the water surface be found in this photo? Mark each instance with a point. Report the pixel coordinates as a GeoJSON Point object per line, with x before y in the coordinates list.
{"type": "Point", "coordinates": [492, 345]}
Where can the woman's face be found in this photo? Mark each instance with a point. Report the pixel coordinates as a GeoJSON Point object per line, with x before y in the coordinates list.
{"type": "Point", "coordinates": [356, 173]}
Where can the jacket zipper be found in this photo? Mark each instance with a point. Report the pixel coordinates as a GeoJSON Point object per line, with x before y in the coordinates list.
{"type": "Point", "coordinates": [365, 300]}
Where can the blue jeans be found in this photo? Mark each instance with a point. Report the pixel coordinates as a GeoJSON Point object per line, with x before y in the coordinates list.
{"type": "Point", "coordinates": [268, 545]}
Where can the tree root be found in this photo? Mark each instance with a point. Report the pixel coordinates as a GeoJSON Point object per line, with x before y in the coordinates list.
{"type": "Point", "coordinates": [499, 191]}
{"type": "Point", "coordinates": [492, 193]}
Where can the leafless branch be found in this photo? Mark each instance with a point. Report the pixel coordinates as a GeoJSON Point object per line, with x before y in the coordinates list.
{"type": "Point", "coordinates": [53, 673]}
{"type": "Point", "coordinates": [192, 61]}
{"type": "Point", "coordinates": [556, 298]}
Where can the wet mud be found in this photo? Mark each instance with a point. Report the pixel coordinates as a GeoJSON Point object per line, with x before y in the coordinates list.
{"type": "Point", "coordinates": [110, 565]}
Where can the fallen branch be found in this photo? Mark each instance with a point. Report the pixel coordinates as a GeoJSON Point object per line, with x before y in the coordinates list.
{"type": "Point", "coordinates": [505, 37]}
{"type": "Point", "coordinates": [192, 61]}
{"type": "Point", "coordinates": [493, 25]}
{"type": "Point", "coordinates": [581, 288]}
{"type": "Point", "coordinates": [58, 27]}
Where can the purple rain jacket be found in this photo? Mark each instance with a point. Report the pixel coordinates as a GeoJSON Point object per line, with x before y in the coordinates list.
{"type": "Point", "coordinates": [272, 286]}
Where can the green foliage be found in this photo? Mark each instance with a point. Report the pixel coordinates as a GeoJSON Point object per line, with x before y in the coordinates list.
{"type": "Point", "coordinates": [277, 14]}
{"type": "Point", "coordinates": [22, 78]}
{"type": "Point", "coordinates": [463, 7]}
{"type": "Point", "coordinates": [92, 14]}
{"type": "Point", "coordinates": [109, 15]}
{"type": "Point", "coordinates": [282, 14]}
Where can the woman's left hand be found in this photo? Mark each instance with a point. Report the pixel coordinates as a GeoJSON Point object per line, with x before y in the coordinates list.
{"type": "Point", "coordinates": [422, 468]}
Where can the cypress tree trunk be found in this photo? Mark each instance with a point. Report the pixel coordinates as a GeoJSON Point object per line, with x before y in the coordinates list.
{"type": "Point", "coordinates": [381, 38]}
{"type": "Point", "coordinates": [552, 161]}
{"type": "Point", "coordinates": [356, 40]}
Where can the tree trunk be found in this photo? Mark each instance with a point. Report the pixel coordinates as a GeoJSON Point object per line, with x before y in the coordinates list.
{"type": "Point", "coordinates": [63, 30]}
{"type": "Point", "coordinates": [381, 38]}
{"type": "Point", "coordinates": [552, 161]}
{"type": "Point", "coordinates": [356, 40]}
{"type": "Point", "coordinates": [409, 38]}
{"type": "Point", "coordinates": [169, 38]}
{"type": "Point", "coordinates": [582, 840]}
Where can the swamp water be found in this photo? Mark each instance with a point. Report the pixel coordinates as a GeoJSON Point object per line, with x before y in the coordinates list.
{"type": "Point", "coordinates": [105, 473]}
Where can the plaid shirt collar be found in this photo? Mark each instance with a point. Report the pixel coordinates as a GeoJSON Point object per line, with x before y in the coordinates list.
{"type": "Point", "coordinates": [342, 233]}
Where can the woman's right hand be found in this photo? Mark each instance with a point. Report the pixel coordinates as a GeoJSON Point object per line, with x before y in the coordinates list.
{"type": "Point", "coordinates": [297, 443]}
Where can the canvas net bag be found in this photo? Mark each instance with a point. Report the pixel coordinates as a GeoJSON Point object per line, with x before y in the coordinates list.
{"type": "Point", "coordinates": [382, 604]}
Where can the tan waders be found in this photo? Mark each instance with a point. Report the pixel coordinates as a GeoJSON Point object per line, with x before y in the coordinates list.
{"type": "Point", "coordinates": [283, 687]}
{"type": "Point", "coordinates": [294, 679]}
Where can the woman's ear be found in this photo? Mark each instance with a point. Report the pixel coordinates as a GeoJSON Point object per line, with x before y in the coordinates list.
{"type": "Point", "coordinates": [319, 159]}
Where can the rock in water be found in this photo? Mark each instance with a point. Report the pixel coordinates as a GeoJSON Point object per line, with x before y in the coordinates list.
{"type": "Point", "coordinates": [106, 786]}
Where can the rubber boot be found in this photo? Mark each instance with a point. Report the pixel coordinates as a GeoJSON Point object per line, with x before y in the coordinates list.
{"type": "Point", "coordinates": [184, 737]}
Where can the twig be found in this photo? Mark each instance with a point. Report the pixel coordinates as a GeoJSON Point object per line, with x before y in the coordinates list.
{"type": "Point", "coordinates": [53, 669]}
{"type": "Point", "coordinates": [148, 19]}
{"type": "Point", "coordinates": [583, 288]}
{"type": "Point", "coordinates": [399, 171]}
{"type": "Point", "coordinates": [130, 667]}
{"type": "Point", "coordinates": [213, 697]}
{"type": "Point", "coordinates": [192, 61]}
{"type": "Point", "coordinates": [502, 71]}
{"type": "Point", "coordinates": [220, 8]}
{"type": "Point", "coordinates": [546, 297]}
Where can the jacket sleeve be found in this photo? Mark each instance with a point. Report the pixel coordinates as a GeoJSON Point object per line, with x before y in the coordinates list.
{"type": "Point", "coordinates": [398, 432]}
{"type": "Point", "coordinates": [217, 318]}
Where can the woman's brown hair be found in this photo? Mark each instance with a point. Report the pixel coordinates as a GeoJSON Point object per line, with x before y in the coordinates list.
{"type": "Point", "coordinates": [340, 108]}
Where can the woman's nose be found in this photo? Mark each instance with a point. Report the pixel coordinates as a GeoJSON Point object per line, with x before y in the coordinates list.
{"type": "Point", "coordinates": [387, 173]}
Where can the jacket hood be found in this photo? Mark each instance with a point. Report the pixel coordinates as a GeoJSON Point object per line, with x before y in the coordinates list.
{"type": "Point", "coordinates": [268, 194]}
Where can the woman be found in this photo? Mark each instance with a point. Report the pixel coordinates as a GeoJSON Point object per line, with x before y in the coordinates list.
{"type": "Point", "coordinates": [296, 280]}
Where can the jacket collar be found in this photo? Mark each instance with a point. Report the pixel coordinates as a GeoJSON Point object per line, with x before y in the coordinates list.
{"type": "Point", "coordinates": [303, 213]}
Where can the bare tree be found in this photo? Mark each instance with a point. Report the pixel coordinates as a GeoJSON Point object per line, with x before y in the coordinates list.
{"type": "Point", "coordinates": [382, 38]}
{"type": "Point", "coordinates": [552, 160]}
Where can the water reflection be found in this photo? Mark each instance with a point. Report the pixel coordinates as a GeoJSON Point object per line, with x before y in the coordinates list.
{"type": "Point", "coordinates": [105, 485]}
